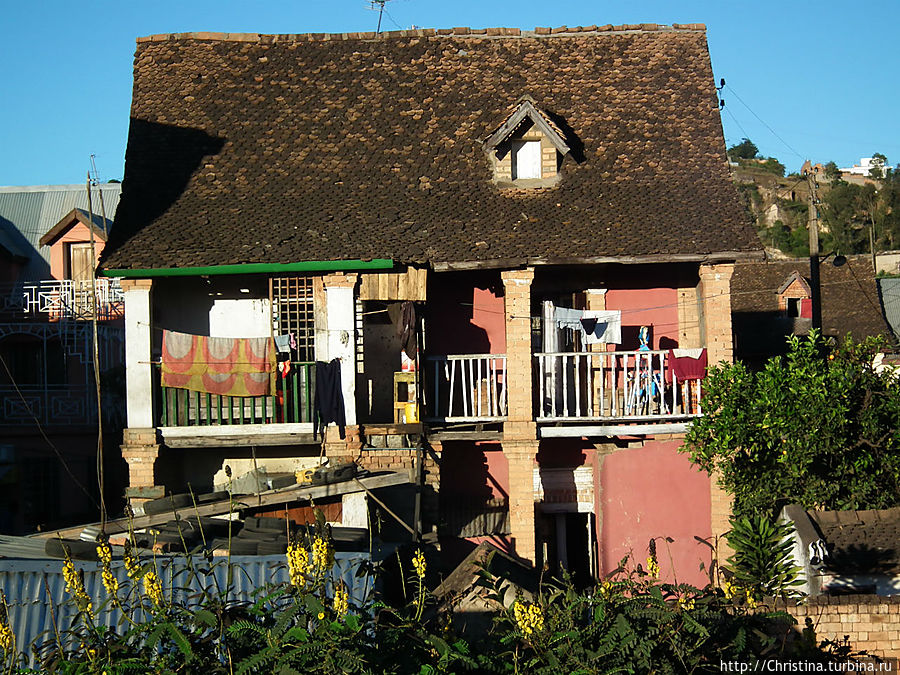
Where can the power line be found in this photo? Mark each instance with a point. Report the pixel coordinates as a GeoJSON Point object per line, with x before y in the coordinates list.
{"type": "Point", "coordinates": [763, 122]}
{"type": "Point", "coordinates": [40, 428]}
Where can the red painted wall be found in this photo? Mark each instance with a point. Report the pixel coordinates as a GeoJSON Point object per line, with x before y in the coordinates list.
{"type": "Point", "coordinates": [654, 491]}
{"type": "Point", "coordinates": [472, 471]}
{"type": "Point", "coordinates": [465, 314]}
{"type": "Point", "coordinates": [656, 307]}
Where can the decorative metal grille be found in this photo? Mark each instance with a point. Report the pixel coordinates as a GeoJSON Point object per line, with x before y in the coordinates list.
{"type": "Point", "coordinates": [292, 312]}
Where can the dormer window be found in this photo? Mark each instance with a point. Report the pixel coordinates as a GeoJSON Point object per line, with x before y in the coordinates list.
{"type": "Point", "coordinates": [794, 297]}
{"type": "Point", "coordinates": [527, 149]}
{"type": "Point", "coordinates": [525, 159]}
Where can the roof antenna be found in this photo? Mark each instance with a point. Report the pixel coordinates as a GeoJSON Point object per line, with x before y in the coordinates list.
{"type": "Point", "coordinates": [380, 4]}
{"type": "Point", "coordinates": [719, 90]}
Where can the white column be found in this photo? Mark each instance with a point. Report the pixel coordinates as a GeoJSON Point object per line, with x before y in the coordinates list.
{"type": "Point", "coordinates": [138, 374]}
{"type": "Point", "coordinates": [341, 317]}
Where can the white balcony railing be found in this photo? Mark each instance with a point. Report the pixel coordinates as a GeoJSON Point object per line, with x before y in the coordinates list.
{"type": "Point", "coordinates": [63, 299]}
{"type": "Point", "coordinates": [467, 388]}
{"type": "Point", "coordinates": [630, 386]}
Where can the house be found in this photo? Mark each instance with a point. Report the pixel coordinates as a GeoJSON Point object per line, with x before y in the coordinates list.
{"type": "Point", "coordinates": [772, 299]}
{"type": "Point", "coordinates": [500, 235]}
{"type": "Point", "coordinates": [48, 405]}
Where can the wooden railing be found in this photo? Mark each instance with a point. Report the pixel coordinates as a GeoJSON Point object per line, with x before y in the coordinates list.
{"type": "Point", "coordinates": [612, 386]}
{"type": "Point", "coordinates": [467, 388]}
{"type": "Point", "coordinates": [292, 403]}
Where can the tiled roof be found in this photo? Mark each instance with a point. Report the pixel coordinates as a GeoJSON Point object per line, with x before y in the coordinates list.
{"type": "Point", "coordinates": [860, 541]}
{"type": "Point", "coordinates": [850, 301]}
{"type": "Point", "coordinates": [285, 148]}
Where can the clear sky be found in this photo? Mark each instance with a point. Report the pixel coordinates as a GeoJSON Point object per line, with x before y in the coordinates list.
{"type": "Point", "coordinates": [812, 79]}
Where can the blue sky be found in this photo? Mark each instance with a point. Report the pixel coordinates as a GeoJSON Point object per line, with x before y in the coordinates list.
{"type": "Point", "coordinates": [814, 80]}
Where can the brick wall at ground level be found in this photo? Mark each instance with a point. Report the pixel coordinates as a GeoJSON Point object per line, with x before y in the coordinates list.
{"type": "Point", "coordinates": [870, 622]}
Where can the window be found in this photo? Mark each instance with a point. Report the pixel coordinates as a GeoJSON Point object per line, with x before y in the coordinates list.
{"type": "Point", "coordinates": [526, 159]}
{"type": "Point", "coordinates": [293, 312]}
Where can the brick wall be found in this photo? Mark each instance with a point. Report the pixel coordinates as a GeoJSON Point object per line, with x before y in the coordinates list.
{"type": "Point", "coordinates": [870, 622]}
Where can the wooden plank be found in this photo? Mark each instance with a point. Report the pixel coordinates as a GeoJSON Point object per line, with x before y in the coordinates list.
{"type": "Point", "coordinates": [614, 430]}
{"type": "Point", "coordinates": [234, 441]}
{"type": "Point", "coordinates": [282, 496]}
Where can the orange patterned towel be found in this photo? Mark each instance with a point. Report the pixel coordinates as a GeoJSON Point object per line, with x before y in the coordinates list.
{"type": "Point", "coordinates": [225, 366]}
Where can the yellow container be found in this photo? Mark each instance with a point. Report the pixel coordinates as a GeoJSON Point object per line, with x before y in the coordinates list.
{"type": "Point", "coordinates": [411, 413]}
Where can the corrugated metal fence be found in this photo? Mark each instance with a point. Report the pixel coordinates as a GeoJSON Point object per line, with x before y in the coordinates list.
{"type": "Point", "coordinates": [39, 604]}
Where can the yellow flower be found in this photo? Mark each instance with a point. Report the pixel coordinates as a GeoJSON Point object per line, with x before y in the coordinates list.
{"type": "Point", "coordinates": [298, 564]}
{"type": "Point", "coordinates": [653, 567]}
{"type": "Point", "coordinates": [341, 601]}
{"type": "Point", "coordinates": [321, 615]}
{"type": "Point", "coordinates": [529, 617]}
{"type": "Point", "coordinates": [686, 603]}
{"type": "Point", "coordinates": [322, 555]}
{"type": "Point", "coordinates": [75, 586]}
{"type": "Point", "coordinates": [7, 639]}
{"type": "Point", "coordinates": [606, 588]}
{"type": "Point", "coordinates": [104, 552]}
{"type": "Point", "coordinates": [729, 589]}
{"type": "Point", "coordinates": [132, 563]}
{"type": "Point", "coordinates": [153, 588]}
{"type": "Point", "coordinates": [751, 601]}
{"type": "Point", "coordinates": [419, 564]}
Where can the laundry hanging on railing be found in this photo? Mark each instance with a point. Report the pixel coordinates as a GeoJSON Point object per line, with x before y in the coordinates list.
{"type": "Point", "coordinates": [594, 325]}
{"type": "Point", "coordinates": [214, 365]}
{"type": "Point", "coordinates": [687, 364]}
{"type": "Point", "coordinates": [328, 403]}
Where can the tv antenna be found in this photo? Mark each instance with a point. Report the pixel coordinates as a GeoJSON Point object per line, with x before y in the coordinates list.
{"type": "Point", "coordinates": [379, 4]}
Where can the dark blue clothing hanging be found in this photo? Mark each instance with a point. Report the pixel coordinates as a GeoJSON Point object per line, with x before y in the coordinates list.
{"type": "Point", "coordinates": [328, 404]}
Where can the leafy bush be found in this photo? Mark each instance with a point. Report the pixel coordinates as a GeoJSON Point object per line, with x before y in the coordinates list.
{"type": "Point", "coordinates": [631, 622]}
{"type": "Point", "coordinates": [762, 561]}
{"type": "Point", "coordinates": [818, 428]}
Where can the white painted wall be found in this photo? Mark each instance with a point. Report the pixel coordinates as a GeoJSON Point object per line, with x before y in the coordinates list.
{"type": "Point", "coordinates": [138, 374]}
{"type": "Point", "coordinates": [341, 318]}
{"type": "Point", "coordinates": [240, 318]}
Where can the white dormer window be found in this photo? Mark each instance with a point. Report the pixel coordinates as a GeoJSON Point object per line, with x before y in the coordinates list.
{"type": "Point", "coordinates": [527, 149]}
{"type": "Point", "coordinates": [526, 159]}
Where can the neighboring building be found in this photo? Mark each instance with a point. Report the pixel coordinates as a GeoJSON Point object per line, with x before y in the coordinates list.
{"type": "Point", "coordinates": [48, 409]}
{"type": "Point", "coordinates": [846, 552]}
{"type": "Point", "coordinates": [772, 299]}
{"type": "Point", "coordinates": [536, 197]}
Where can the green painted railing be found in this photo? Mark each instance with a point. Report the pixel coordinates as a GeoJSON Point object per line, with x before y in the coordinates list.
{"type": "Point", "coordinates": [291, 403]}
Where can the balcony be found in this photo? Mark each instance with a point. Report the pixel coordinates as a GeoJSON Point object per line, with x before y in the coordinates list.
{"type": "Point", "coordinates": [57, 300]}
{"type": "Point", "coordinates": [617, 392]}
{"type": "Point", "coordinates": [186, 416]}
{"type": "Point", "coordinates": [466, 388]}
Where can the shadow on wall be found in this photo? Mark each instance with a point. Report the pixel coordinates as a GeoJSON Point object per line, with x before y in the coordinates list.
{"type": "Point", "coordinates": [35, 267]}
{"type": "Point", "coordinates": [155, 180]}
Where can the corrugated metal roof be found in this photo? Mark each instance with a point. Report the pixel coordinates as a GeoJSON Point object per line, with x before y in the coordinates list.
{"type": "Point", "coordinates": [33, 210]}
{"type": "Point", "coordinates": [889, 290]}
{"type": "Point", "coordinates": [36, 591]}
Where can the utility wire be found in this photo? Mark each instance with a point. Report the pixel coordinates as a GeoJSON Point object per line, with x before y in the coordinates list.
{"type": "Point", "coordinates": [46, 438]}
{"type": "Point", "coordinates": [763, 122]}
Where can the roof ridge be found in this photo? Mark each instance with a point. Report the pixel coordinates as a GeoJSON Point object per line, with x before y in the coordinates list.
{"type": "Point", "coordinates": [540, 31]}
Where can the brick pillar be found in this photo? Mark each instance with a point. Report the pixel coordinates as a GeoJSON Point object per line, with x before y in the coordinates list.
{"type": "Point", "coordinates": [520, 444]}
{"type": "Point", "coordinates": [689, 333]}
{"type": "Point", "coordinates": [715, 295]}
{"type": "Point", "coordinates": [522, 458]}
{"type": "Point", "coordinates": [519, 401]}
{"type": "Point", "coordinates": [140, 450]}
